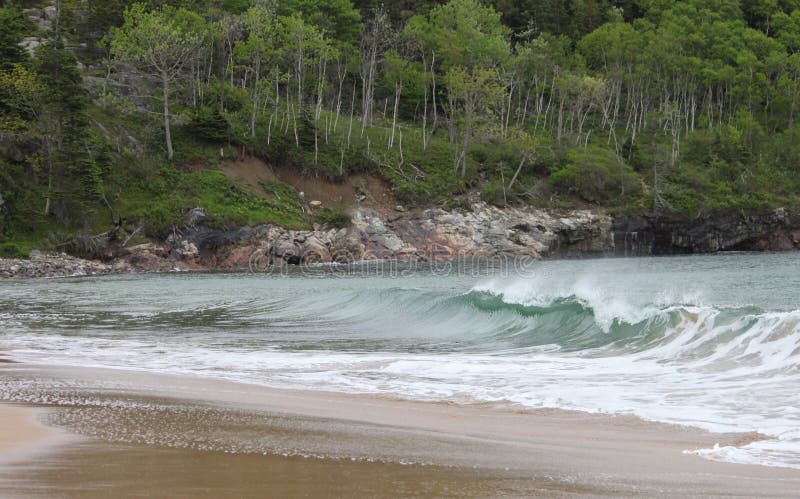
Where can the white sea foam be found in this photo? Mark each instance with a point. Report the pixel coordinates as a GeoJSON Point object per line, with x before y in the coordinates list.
{"type": "Point", "coordinates": [732, 388]}
{"type": "Point", "coordinates": [665, 352]}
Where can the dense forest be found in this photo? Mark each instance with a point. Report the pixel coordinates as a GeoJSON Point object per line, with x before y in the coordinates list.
{"type": "Point", "coordinates": [116, 116]}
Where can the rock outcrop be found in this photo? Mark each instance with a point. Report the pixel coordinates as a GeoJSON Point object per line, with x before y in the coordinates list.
{"type": "Point", "coordinates": [640, 236]}
{"type": "Point", "coordinates": [511, 231]}
{"type": "Point", "coordinates": [433, 234]}
{"type": "Point", "coordinates": [481, 232]}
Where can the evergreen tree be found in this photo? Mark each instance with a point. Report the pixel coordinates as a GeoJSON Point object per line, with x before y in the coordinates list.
{"type": "Point", "coordinates": [73, 178]}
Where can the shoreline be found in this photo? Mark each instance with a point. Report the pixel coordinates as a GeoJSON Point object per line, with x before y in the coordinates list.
{"type": "Point", "coordinates": [596, 453]}
{"type": "Point", "coordinates": [63, 266]}
{"type": "Point", "coordinates": [480, 233]}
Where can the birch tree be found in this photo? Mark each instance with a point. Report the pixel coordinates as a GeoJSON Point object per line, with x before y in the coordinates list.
{"type": "Point", "coordinates": [160, 43]}
{"type": "Point", "coordinates": [472, 94]}
{"type": "Point", "coordinates": [255, 53]}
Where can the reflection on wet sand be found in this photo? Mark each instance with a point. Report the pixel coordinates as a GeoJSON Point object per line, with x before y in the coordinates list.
{"type": "Point", "coordinates": [121, 470]}
{"type": "Point", "coordinates": [174, 436]}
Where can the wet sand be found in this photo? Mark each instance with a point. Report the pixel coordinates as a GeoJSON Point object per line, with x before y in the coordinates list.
{"type": "Point", "coordinates": [21, 434]}
{"type": "Point", "coordinates": [177, 436]}
{"type": "Point", "coordinates": [118, 470]}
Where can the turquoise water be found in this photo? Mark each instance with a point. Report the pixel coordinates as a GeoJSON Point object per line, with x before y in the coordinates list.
{"type": "Point", "coordinates": [708, 341]}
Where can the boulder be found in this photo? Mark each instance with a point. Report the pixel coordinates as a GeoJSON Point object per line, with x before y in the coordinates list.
{"type": "Point", "coordinates": [315, 251]}
{"type": "Point", "coordinates": [287, 251]}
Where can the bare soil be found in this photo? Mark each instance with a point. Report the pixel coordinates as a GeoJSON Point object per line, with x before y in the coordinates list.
{"type": "Point", "coordinates": [357, 190]}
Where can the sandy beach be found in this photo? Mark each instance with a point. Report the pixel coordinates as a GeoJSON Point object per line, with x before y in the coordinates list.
{"type": "Point", "coordinates": [21, 434]}
{"type": "Point", "coordinates": [193, 436]}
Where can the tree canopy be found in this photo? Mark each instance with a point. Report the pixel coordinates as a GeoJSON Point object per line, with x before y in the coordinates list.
{"type": "Point", "coordinates": [660, 107]}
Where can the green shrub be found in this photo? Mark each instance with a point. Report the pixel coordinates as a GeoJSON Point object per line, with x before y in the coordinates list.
{"type": "Point", "coordinates": [597, 176]}
{"type": "Point", "coordinates": [412, 193]}
{"type": "Point", "coordinates": [161, 201]}
{"type": "Point", "coordinates": [11, 250]}
{"type": "Point", "coordinates": [333, 219]}
{"type": "Point", "coordinates": [209, 124]}
{"type": "Point", "coordinates": [493, 191]}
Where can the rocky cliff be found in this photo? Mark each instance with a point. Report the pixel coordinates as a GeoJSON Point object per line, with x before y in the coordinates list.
{"type": "Point", "coordinates": [479, 233]}
{"type": "Point", "coordinates": [435, 234]}
{"type": "Point", "coordinates": [772, 231]}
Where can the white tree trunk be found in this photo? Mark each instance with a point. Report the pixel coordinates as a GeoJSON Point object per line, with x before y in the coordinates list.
{"type": "Point", "coordinates": [167, 132]}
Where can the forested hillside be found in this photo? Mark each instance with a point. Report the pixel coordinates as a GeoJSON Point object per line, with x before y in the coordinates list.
{"type": "Point", "coordinates": [117, 116]}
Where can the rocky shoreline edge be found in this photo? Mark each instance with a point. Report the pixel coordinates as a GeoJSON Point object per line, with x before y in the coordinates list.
{"type": "Point", "coordinates": [481, 232]}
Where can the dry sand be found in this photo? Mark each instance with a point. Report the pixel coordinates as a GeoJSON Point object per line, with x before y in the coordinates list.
{"type": "Point", "coordinates": [180, 436]}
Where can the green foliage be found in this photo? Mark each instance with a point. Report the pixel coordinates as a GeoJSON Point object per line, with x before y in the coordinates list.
{"type": "Point", "coordinates": [332, 219]}
{"type": "Point", "coordinates": [21, 95]}
{"type": "Point", "coordinates": [161, 43]}
{"type": "Point", "coordinates": [597, 176]}
{"type": "Point", "coordinates": [22, 201]}
{"type": "Point", "coordinates": [719, 173]}
{"type": "Point", "coordinates": [462, 33]}
{"type": "Point", "coordinates": [209, 125]}
{"type": "Point", "coordinates": [424, 175]}
{"type": "Point", "coordinates": [159, 40]}
{"type": "Point", "coordinates": [14, 26]}
{"type": "Point", "coordinates": [337, 17]}
{"type": "Point", "coordinates": [11, 250]}
{"type": "Point", "coordinates": [494, 192]}
{"type": "Point", "coordinates": [674, 108]}
{"type": "Point", "coordinates": [74, 177]}
{"type": "Point", "coordinates": [161, 202]}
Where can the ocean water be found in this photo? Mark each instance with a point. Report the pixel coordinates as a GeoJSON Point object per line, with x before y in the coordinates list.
{"type": "Point", "coordinates": [706, 341]}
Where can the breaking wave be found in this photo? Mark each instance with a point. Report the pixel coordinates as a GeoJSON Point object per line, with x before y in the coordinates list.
{"type": "Point", "coordinates": [531, 343]}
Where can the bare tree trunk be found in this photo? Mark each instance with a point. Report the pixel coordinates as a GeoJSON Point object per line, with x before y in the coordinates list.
{"type": "Point", "coordinates": [193, 70]}
{"type": "Point", "coordinates": [294, 125]}
{"type": "Point", "coordinates": [368, 85]}
{"type": "Point", "coordinates": [425, 121]}
{"type": "Point", "coordinates": [516, 173]}
{"type": "Point", "coordinates": [300, 79]}
{"type": "Point", "coordinates": [274, 117]}
{"type": "Point", "coordinates": [398, 89]}
{"type": "Point", "coordinates": [504, 126]}
{"type": "Point", "coordinates": [452, 132]}
{"type": "Point", "coordinates": [400, 132]}
{"type": "Point", "coordinates": [352, 113]}
{"type": "Point", "coordinates": [503, 183]}
{"type": "Point", "coordinates": [656, 193]}
{"type": "Point", "coordinates": [49, 187]}
{"type": "Point", "coordinates": [289, 107]}
{"type": "Point", "coordinates": [433, 94]}
{"type": "Point", "coordinates": [255, 98]}
{"type": "Point", "coordinates": [467, 138]}
{"type": "Point", "coordinates": [524, 114]}
{"type": "Point", "coordinates": [167, 131]}
{"type": "Point", "coordinates": [222, 84]}
{"type": "Point", "coordinates": [560, 120]}
{"type": "Point", "coordinates": [342, 75]}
